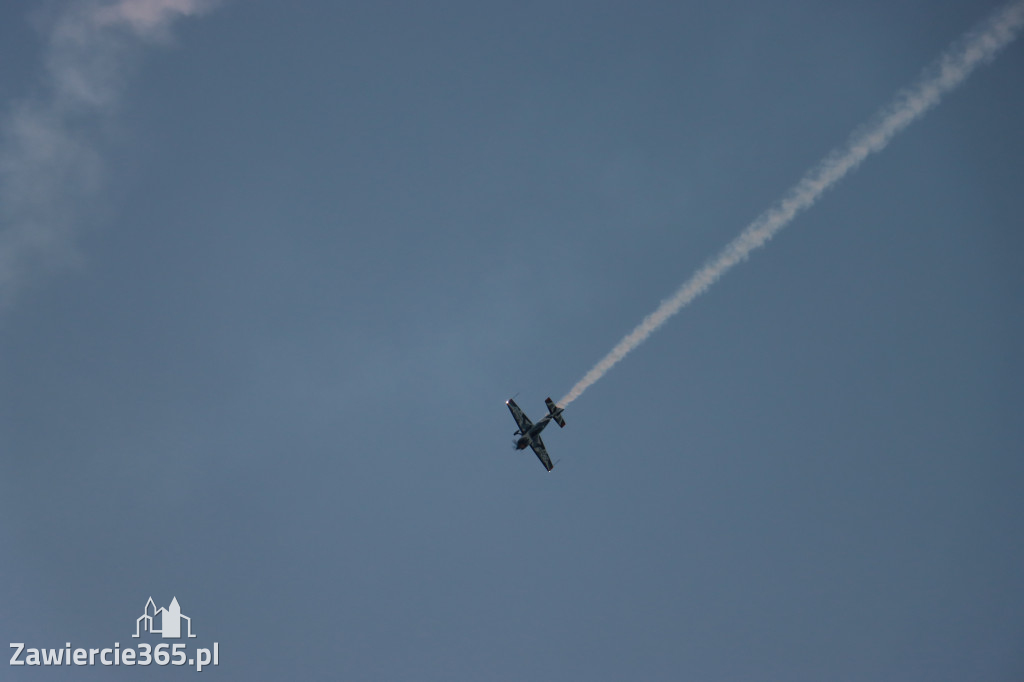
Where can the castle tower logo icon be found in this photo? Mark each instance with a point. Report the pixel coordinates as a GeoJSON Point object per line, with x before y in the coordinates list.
{"type": "Point", "coordinates": [169, 620]}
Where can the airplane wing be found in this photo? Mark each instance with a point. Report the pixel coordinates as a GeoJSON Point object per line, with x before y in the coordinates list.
{"type": "Point", "coordinates": [522, 420]}
{"type": "Point", "coordinates": [542, 453]}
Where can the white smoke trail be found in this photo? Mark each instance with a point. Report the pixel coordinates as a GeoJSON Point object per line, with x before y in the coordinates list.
{"type": "Point", "coordinates": [951, 69]}
{"type": "Point", "coordinates": [49, 163]}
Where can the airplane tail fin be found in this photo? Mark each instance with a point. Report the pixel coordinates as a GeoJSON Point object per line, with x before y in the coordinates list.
{"type": "Point", "coordinates": [556, 412]}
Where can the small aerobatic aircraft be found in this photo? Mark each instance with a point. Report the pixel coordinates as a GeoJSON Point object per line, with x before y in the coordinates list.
{"type": "Point", "coordinates": [529, 433]}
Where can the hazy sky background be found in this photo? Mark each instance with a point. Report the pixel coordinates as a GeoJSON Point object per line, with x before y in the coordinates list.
{"type": "Point", "coordinates": [265, 294]}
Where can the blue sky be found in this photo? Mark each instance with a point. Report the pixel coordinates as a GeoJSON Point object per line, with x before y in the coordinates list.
{"type": "Point", "coordinates": [266, 288]}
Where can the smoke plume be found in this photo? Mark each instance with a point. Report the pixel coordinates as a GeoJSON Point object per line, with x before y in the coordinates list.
{"type": "Point", "coordinates": [50, 163]}
{"type": "Point", "coordinates": [948, 72]}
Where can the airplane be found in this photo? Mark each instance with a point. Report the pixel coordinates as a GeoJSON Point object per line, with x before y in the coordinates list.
{"type": "Point", "coordinates": [529, 433]}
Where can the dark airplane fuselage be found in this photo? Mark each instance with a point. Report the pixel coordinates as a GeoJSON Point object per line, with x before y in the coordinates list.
{"type": "Point", "coordinates": [527, 438]}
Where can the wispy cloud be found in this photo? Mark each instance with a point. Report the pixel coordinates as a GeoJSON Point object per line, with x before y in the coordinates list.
{"type": "Point", "coordinates": [948, 72]}
{"type": "Point", "coordinates": [50, 161]}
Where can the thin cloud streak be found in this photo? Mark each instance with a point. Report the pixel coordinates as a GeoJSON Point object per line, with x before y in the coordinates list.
{"type": "Point", "coordinates": [949, 71]}
{"type": "Point", "coordinates": [49, 159]}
